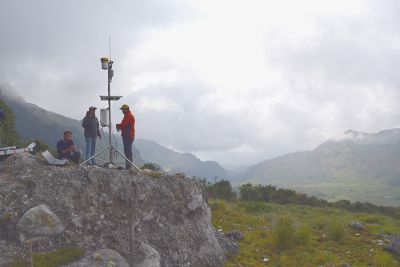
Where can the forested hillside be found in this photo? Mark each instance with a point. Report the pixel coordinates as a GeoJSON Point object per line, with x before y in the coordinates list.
{"type": "Point", "coordinates": [8, 135]}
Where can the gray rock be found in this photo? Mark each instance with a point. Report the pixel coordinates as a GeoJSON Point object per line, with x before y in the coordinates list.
{"type": "Point", "coordinates": [77, 222]}
{"type": "Point", "coordinates": [151, 257]}
{"type": "Point", "coordinates": [101, 258]}
{"type": "Point", "coordinates": [394, 246]}
{"type": "Point", "coordinates": [3, 261]}
{"type": "Point", "coordinates": [107, 258]}
{"type": "Point", "coordinates": [118, 210]}
{"type": "Point", "coordinates": [357, 225]}
{"type": "Point", "coordinates": [235, 235]}
{"type": "Point", "coordinates": [39, 222]}
{"type": "Point", "coordinates": [196, 202]}
{"type": "Point", "coordinates": [228, 245]}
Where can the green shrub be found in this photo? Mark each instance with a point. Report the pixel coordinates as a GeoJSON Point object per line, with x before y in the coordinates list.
{"type": "Point", "coordinates": [303, 236]}
{"type": "Point", "coordinates": [283, 234]}
{"type": "Point", "coordinates": [221, 190]}
{"type": "Point", "coordinates": [383, 259]}
{"type": "Point", "coordinates": [151, 166]}
{"type": "Point", "coordinates": [337, 231]}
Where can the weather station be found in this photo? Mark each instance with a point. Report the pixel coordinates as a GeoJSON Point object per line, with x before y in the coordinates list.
{"type": "Point", "coordinates": [106, 120]}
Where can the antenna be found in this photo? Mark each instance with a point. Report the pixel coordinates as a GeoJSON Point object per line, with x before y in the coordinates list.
{"type": "Point", "coordinates": [109, 44]}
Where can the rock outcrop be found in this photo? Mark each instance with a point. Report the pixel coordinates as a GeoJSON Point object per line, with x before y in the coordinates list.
{"type": "Point", "coordinates": [393, 246]}
{"type": "Point", "coordinates": [149, 221]}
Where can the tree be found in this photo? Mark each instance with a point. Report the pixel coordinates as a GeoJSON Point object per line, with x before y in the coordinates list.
{"type": "Point", "coordinates": [221, 190]}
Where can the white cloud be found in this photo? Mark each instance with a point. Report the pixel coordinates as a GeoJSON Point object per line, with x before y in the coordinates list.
{"type": "Point", "coordinates": [237, 81]}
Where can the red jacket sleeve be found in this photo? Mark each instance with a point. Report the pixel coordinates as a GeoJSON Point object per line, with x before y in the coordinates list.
{"type": "Point", "coordinates": [128, 119]}
{"type": "Point", "coordinates": [123, 123]}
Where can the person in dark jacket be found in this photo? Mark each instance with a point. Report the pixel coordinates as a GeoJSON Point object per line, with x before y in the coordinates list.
{"type": "Point", "coordinates": [127, 127]}
{"type": "Point", "coordinates": [66, 148]}
{"type": "Point", "coordinates": [91, 125]}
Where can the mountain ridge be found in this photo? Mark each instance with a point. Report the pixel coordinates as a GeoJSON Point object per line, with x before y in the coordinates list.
{"type": "Point", "coordinates": [359, 167]}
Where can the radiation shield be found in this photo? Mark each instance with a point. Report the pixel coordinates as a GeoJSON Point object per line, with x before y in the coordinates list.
{"type": "Point", "coordinates": [104, 117]}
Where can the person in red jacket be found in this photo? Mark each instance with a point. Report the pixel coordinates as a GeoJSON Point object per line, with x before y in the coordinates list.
{"type": "Point", "coordinates": [127, 127]}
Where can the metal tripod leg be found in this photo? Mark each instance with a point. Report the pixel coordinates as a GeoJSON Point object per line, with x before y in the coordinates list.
{"type": "Point", "coordinates": [137, 168]}
{"type": "Point", "coordinates": [95, 155]}
{"type": "Point", "coordinates": [111, 148]}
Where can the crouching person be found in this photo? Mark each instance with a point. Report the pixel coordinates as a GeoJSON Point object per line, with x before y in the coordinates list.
{"type": "Point", "coordinates": [66, 148]}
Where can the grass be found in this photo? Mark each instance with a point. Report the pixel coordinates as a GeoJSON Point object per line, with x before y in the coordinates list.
{"type": "Point", "coordinates": [338, 231]}
{"type": "Point", "coordinates": [283, 234]}
{"type": "Point", "coordinates": [290, 235]}
{"type": "Point", "coordinates": [383, 259]}
{"type": "Point", "coordinates": [51, 259]}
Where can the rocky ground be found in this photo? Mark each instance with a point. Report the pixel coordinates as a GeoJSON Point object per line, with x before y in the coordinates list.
{"type": "Point", "coordinates": [147, 221]}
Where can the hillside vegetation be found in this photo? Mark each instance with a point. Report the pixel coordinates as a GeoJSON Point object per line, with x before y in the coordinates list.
{"type": "Point", "coordinates": [356, 166]}
{"type": "Point", "coordinates": [8, 135]}
{"type": "Point", "coordinates": [292, 235]}
{"type": "Point", "coordinates": [300, 234]}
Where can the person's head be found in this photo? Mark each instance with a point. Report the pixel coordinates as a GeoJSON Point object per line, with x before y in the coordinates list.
{"type": "Point", "coordinates": [124, 108]}
{"type": "Point", "coordinates": [67, 135]}
{"type": "Point", "coordinates": [92, 110]}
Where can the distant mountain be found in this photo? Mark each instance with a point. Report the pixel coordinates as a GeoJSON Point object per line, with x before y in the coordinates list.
{"type": "Point", "coordinates": [35, 123]}
{"type": "Point", "coordinates": [173, 162]}
{"type": "Point", "coordinates": [356, 166]}
{"type": "Point", "coordinates": [237, 173]}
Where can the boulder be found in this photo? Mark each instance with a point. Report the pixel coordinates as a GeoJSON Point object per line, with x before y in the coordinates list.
{"type": "Point", "coordinates": [394, 246]}
{"type": "Point", "coordinates": [228, 245]}
{"type": "Point", "coordinates": [39, 221]}
{"type": "Point", "coordinates": [151, 257]}
{"type": "Point", "coordinates": [357, 225]}
{"type": "Point", "coordinates": [235, 235]}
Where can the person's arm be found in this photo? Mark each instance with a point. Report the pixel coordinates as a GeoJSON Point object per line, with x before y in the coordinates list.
{"type": "Point", "coordinates": [84, 122]}
{"type": "Point", "coordinates": [123, 124]}
{"type": "Point", "coordinates": [70, 149]}
{"type": "Point", "coordinates": [72, 146]}
{"type": "Point", "coordinates": [67, 150]}
{"type": "Point", "coordinates": [133, 127]}
{"type": "Point", "coordinates": [98, 128]}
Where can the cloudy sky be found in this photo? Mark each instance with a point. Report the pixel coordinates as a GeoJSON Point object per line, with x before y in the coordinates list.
{"type": "Point", "coordinates": [228, 80]}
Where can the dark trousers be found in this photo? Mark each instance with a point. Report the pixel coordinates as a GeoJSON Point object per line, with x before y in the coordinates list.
{"type": "Point", "coordinates": [128, 151]}
{"type": "Point", "coordinates": [74, 157]}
